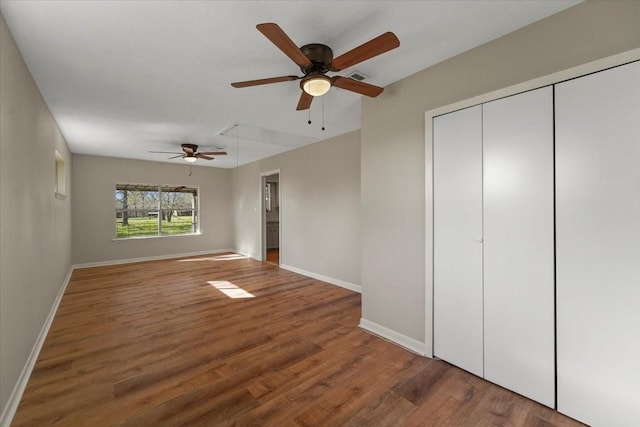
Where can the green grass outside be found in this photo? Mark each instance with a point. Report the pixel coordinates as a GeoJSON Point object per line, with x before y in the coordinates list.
{"type": "Point", "coordinates": [149, 226]}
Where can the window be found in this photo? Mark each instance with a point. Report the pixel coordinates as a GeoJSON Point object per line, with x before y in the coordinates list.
{"type": "Point", "coordinates": [155, 210]}
{"type": "Point", "coordinates": [60, 176]}
{"type": "Point", "coordinates": [267, 196]}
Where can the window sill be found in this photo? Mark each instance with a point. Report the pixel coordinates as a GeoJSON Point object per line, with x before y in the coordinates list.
{"type": "Point", "coordinates": [124, 239]}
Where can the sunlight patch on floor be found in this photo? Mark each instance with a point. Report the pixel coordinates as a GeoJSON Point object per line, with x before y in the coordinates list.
{"type": "Point", "coordinates": [231, 290]}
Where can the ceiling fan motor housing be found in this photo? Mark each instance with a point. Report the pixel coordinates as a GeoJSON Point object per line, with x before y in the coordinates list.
{"type": "Point", "coordinates": [189, 148]}
{"type": "Point", "coordinates": [321, 56]}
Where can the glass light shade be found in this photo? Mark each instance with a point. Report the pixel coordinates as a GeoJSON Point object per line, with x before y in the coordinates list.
{"type": "Point", "coordinates": [190, 159]}
{"type": "Point", "coordinates": [316, 86]}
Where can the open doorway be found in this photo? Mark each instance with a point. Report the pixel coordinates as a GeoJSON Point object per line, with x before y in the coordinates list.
{"type": "Point", "coordinates": [271, 218]}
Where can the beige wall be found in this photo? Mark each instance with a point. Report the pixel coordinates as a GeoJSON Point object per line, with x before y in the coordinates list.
{"type": "Point", "coordinates": [35, 227]}
{"type": "Point", "coordinates": [394, 246]}
{"type": "Point", "coordinates": [320, 207]}
{"type": "Point", "coordinates": [94, 182]}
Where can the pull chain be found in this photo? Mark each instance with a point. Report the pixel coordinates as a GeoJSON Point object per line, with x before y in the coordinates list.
{"type": "Point", "coordinates": [309, 112]}
{"type": "Point", "coordinates": [323, 113]}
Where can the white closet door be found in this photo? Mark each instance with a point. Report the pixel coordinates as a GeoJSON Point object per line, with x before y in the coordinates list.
{"type": "Point", "coordinates": [457, 153]}
{"type": "Point", "coordinates": [598, 246]}
{"type": "Point", "coordinates": [519, 330]}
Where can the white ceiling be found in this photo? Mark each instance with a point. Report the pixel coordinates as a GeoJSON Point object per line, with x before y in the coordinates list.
{"type": "Point", "coordinates": [125, 77]}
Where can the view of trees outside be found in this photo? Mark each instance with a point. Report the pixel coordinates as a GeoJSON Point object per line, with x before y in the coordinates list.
{"type": "Point", "coordinates": [148, 210]}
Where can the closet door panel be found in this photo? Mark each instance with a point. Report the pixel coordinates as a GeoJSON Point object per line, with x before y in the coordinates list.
{"type": "Point", "coordinates": [598, 246]}
{"type": "Point", "coordinates": [457, 153]}
{"type": "Point", "coordinates": [519, 348]}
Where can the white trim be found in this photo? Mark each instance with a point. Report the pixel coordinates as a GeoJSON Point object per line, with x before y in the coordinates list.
{"type": "Point", "coordinates": [337, 282]}
{"type": "Point", "coordinates": [550, 79]}
{"type": "Point", "coordinates": [271, 172]}
{"type": "Point", "coordinates": [404, 341]}
{"type": "Point", "coordinates": [151, 258]}
{"type": "Point", "coordinates": [11, 406]}
{"type": "Point", "coordinates": [154, 236]}
{"type": "Point", "coordinates": [429, 230]}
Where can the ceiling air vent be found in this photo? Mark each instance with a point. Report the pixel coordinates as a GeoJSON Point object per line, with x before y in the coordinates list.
{"type": "Point", "coordinates": [357, 75]}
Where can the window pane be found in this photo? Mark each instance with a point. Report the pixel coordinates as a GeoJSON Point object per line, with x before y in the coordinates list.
{"type": "Point", "coordinates": [179, 211]}
{"type": "Point", "coordinates": [136, 212]}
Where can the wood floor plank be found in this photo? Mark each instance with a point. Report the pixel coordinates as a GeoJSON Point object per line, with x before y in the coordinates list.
{"type": "Point", "coordinates": [155, 343]}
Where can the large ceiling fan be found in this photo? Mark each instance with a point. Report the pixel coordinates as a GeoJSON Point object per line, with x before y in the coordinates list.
{"type": "Point", "coordinates": [315, 60]}
{"type": "Point", "coordinates": [190, 153]}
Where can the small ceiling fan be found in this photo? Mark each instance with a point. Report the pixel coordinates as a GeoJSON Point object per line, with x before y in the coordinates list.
{"type": "Point", "coordinates": [190, 153]}
{"type": "Point", "coordinates": [315, 60]}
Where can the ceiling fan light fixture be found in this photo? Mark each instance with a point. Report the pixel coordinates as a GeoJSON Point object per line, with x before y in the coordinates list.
{"type": "Point", "coordinates": [316, 85]}
{"type": "Point", "coordinates": [190, 159]}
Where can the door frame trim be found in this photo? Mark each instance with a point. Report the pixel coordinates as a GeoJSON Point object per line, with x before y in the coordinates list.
{"type": "Point", "coordinates": [263, 213]}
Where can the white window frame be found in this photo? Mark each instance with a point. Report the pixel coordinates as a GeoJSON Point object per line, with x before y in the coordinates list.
{"type": "Point", "coordinates": [195, 210]}
{"type": "Point", "coordinates": [60, 180]}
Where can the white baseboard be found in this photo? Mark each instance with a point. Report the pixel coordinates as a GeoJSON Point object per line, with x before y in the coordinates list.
{"type": "Point", "coordinates": [410, 344]}
{"type": "Point", "coordinates": [11, 407]}
{"type": "Point", "coordinates": [331, 280]}
{"type": "Point", "coordinates": [150, 258]}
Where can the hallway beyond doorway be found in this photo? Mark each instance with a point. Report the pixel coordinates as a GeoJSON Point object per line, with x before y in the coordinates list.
{"type": "Point", "coordinates": [273, 256]}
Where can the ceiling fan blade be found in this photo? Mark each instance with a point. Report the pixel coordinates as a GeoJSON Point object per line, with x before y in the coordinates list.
{"type": "Point", "coordinates": [305, 101]}
{"type": "Point", "coordinates": [374, 47]}
{"type": "Point", "coordinates": [175, 157]}
{"type": "Point", "coordinates": [356, 86]}
{"type": "Point", "coordinates": [278, 37]}
{"type": "Point", "coordinates": [214, 153]}
{"type": "Point", "coordinates": [164, 152]}
{"type": "Point", "coordinates": [264, 81]}
{"type": "Point", "coordinates": [202, 156]}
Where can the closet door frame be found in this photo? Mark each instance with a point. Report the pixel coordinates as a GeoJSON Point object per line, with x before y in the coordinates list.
{"type": "Point", "coordinates": [571, 73]}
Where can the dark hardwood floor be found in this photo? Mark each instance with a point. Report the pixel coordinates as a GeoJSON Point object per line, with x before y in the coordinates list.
{"type": "Point", "coordinates": [273, 256]}
{"type": "Point", "coordinates": [164, 343]}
